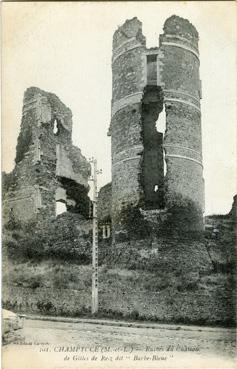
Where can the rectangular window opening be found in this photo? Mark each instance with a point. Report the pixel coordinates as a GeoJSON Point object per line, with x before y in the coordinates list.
{"type": "Point", "coordinates": [152, 69]}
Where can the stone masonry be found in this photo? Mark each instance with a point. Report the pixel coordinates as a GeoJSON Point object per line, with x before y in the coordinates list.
{"type": "Point", "coordinates": [49, 168]}
{"type": "Point", "coordinates": [152, 170]}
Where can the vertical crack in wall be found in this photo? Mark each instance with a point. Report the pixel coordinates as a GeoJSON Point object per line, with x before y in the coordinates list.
{"type": "Point", "coordinates": [152, 166]}
{"type": "Point", "coordinates": [162, 128]}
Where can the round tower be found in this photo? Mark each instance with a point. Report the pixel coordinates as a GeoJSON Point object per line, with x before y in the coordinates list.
{"type": "Point", "coordinates": [128, 75]}
{"type": "Point", "coordinates": [179, 73]}
{"type": "Point", "coordinates": [153, 169]}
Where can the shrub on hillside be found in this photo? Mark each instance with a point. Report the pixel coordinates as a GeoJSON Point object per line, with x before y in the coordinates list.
{"type": "Point", "coordinates": [56, 240]}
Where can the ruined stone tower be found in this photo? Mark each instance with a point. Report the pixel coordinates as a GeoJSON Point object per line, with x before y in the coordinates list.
{"type": "Point", "coordinates": [152, 170]}
{"type": "Point", "coordinates": [49, 168]}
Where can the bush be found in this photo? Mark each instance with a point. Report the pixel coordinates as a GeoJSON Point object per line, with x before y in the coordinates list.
{"type": "Point", "coordinates": [134, 315]}
{"type": "Point", "coordinates": [58, 239]}
{"type": "Point", "coordinates": [45, 306]}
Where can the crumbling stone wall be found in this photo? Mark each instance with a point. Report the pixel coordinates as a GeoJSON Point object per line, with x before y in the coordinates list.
{"type": "Point", "coordinates": [146, 81]}
{"type": "Point", "coordinates": [104, 203]}
{"type": "Point", "coordinates": [46, 161]}
{"type": "Point", "coordinates": [221, 236]}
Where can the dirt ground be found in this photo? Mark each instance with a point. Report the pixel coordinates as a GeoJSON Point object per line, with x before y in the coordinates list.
{"type": "Point", "coordinates": [61, 345]}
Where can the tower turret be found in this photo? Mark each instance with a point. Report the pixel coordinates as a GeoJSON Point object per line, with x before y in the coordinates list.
{"type": "Point", "coordinates": [151, 168]}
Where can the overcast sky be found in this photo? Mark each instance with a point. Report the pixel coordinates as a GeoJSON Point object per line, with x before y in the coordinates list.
{"type": "Point", "coordinates": [66, 48]}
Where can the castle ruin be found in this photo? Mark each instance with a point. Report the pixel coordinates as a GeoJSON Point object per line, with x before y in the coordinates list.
{"type": "Point", "coordinates": [156, 171]}
{"type": "Point", "coordinates": [49, 169]}
{"type": "Point", "coordinates": [151, 214]}
{"type": "Point", "coordinates": [156, 168]}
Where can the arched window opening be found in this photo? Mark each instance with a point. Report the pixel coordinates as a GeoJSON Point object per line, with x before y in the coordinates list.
{"type": "Point", "coordinates": [55, 127]}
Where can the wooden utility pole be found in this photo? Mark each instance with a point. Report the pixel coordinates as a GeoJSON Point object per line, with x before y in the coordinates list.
{"type": "Point", "coordinates": [94, 304]}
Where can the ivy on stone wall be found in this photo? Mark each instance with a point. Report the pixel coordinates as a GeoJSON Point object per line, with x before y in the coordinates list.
{"type": "Point", "coordinates": [183, 218]}
{"type": "Point", "coordinates": [133, 221]}
{"type": "Point", "coordinates": [23, 143]}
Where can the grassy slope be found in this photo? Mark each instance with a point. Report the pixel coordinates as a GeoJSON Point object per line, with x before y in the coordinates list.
{"type": "Point", "coordinates": [65, 289]}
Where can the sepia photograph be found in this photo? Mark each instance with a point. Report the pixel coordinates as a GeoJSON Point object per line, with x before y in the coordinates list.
{"type": "Point", "coordinates": [119, 184]}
